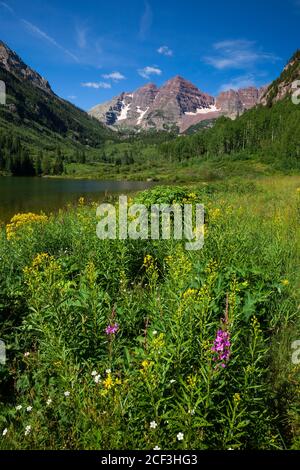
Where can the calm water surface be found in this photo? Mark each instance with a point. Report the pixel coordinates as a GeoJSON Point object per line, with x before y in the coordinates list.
{"type": "Point", "coordinates": [26, 194]}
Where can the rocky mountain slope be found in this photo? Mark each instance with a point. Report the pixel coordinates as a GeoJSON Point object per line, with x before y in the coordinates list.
{"type": "Point", "coordinates": [177, 104]}
{"type": "Point", "coordinates": [13, 64]}
{"type": "Point", "coordinates": [32, 104]}
{"type": "Point", "coordinates": [284, 83]}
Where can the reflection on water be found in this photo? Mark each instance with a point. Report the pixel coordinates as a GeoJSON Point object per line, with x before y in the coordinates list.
{"type": "Point", "coordinates": [26, 194]}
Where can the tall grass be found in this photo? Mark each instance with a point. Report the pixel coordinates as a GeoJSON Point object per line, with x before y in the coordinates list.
{"type": "Point", "coordinates": [155, 378]}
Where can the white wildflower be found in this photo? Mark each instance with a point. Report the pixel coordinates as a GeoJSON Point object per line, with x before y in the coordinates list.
{"type": "Point", "coordinates": [108, 371]}
{"type": "Point", "coordinates": [49, 401]}
{"type": "Point", "coordinates": [18, 407]}
{"type": "Point", "coordinates": [27, 354]}
{"type": "Point", "coordinates": [4, 432]}
{"type": "Point", "coordinates": [97, 378]}
{"type": "Point", "coordinates": [94, 373]}
{"type": "Point", "coordinates": [67, 393]}
{"type": "Point", "coordinates": [153, 425]}
{"type": "Point", "coordinates": [29, 408]}
{"type": "Point", "coordinates": [156, 448]}
{"type": "Point", "coordinates": [27, 430]}
{"type": "Point", "coordinates": [154, 332]}
{"type": "Point", "coordinates": [180, 436]}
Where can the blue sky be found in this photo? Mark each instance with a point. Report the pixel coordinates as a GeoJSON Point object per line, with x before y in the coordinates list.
{"type": "Point", "coordinates": [92, 50]}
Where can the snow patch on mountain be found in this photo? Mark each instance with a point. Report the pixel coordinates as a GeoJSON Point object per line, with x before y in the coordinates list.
{"type": "Point", "coordinates": [210, 109]}
{"type": "Point", "coordinates": [141, 114]}
{"type": "Point", "coordinates": [124, 111]}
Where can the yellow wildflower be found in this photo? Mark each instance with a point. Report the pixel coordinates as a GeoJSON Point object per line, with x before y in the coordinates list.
{"type": "Point", "coordinates": [108, 382]}
{"type": "Point", "coordinates": [214, 213]}
{"type": "Point", "coordinates": [192, 380]}
{"type": "Point", "coordinates": [20, 220]}
{"type": "Point", "coordinates": [189, 293]}
{"type": "Point", "coordinates": [236, 398]}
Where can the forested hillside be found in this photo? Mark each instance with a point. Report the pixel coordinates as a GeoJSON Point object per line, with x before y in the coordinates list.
{"type": "Point", "coordinates": [270, 133]}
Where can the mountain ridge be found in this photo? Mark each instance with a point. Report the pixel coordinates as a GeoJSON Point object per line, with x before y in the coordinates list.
{"type": "Point", "coordinates": [177, 103]}
{"type": "Point", "coordinates": [32, 103]}
{"type": "Point", "coordinates": [13, 63]}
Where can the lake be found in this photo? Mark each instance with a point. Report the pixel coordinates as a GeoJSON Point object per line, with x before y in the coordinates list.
{"type": "Point", "coordinates": [32, 194]}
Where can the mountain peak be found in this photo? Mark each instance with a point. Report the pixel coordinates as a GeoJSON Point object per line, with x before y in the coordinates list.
{"type": "Point", "coordinates": [12, 63]}
{"type": "Point", "coordinates": [178, 80]}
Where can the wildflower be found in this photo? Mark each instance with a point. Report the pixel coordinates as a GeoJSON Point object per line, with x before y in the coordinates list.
{"type": "Point", "coordinates": [156, 448]}
{"type": "Point", "coordinates": [221, 347]}
{"type": "Point", "coordinates": [49, 401]}
{"type": "Point", "coordinates": [237, 398]}
{"type": "Point", "coordinates": [20, 220]}
{"type": "Point", "coordinates": [112, 329]}
{"type": "Point", "coordinates": [18, 407]}
{"type": "Point", "coordinates": [97, 378]}
{"type": "Point", "coordinates": [215, 213]}
{"type": "Point", "coordinates": [29, 408]}
{"type": "Point", "coordinates": [67, 393]}
{"type": "Point", "coordinates": [27, 354]}
{"type": "Point", "coordinates": [148, 261]}
{"type": "Point", "coordinates": [4, 432]}
{"type": "Point", "coordinates": [154, 333]}
{"type": "Point", "coordinates": [172, 381]}
{"type": "Point", "coordinates": [285, 282]}
{"type": "Point", "coordinates": [94, 373]}
{"type": "Point", "coordinates": [189, 293]}
{"type": "Point", "coordinates": [108, 371]}
{"type": "Point", "coordinates": [180, 436]}
{"type": "Point", "coordinates": [27, 430]}
{"type": "Point", "coordinates": [192, 380]}
{"type": "Point", "coordinates": [108, 382]}
{"type": "Point", "coordinates": [191, 412]}
{"type": "Point", "coordinates": [153, 425]}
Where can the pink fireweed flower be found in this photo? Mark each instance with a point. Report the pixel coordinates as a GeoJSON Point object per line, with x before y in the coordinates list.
{"type": "Point", "coordinates": [221, 347]}
{"type": "Point", "coordinates": [112, 329]}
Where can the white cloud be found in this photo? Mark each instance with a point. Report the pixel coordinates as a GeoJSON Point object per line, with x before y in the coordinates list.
{"type": "Point", "coordinates": [39, 33]}
{"type": "Point", "coordinates": [7, 7]}
{"type": "Point", "coordinates": [146, 21]}
{"type": "Point", "coordinates": [115, 76]}
{"type": "Point", "coordinates": [81, 38]}
{"type": "Point", "coordinates": [96, 85]}
{"type": "Point", "coordinates": [146, 72]}
{"type": "Point", "coordinates": [236, 83]}
{"type": "Point", "coordinates": [72, 97]}
{"type": "Point", "coordinates": [238, 54]}
{"type": "Point", "coordinates": [165, 50]}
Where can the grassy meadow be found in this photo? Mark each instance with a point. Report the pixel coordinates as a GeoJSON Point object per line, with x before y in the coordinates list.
{"type": "Point", "coordinates": [143, 345]}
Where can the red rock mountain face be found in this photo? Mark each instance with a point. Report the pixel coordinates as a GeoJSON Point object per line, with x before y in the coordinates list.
{"type": "Point", "coordinates": [233, 102]}
{"type": "Point", "coordinates": [177, 104]}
